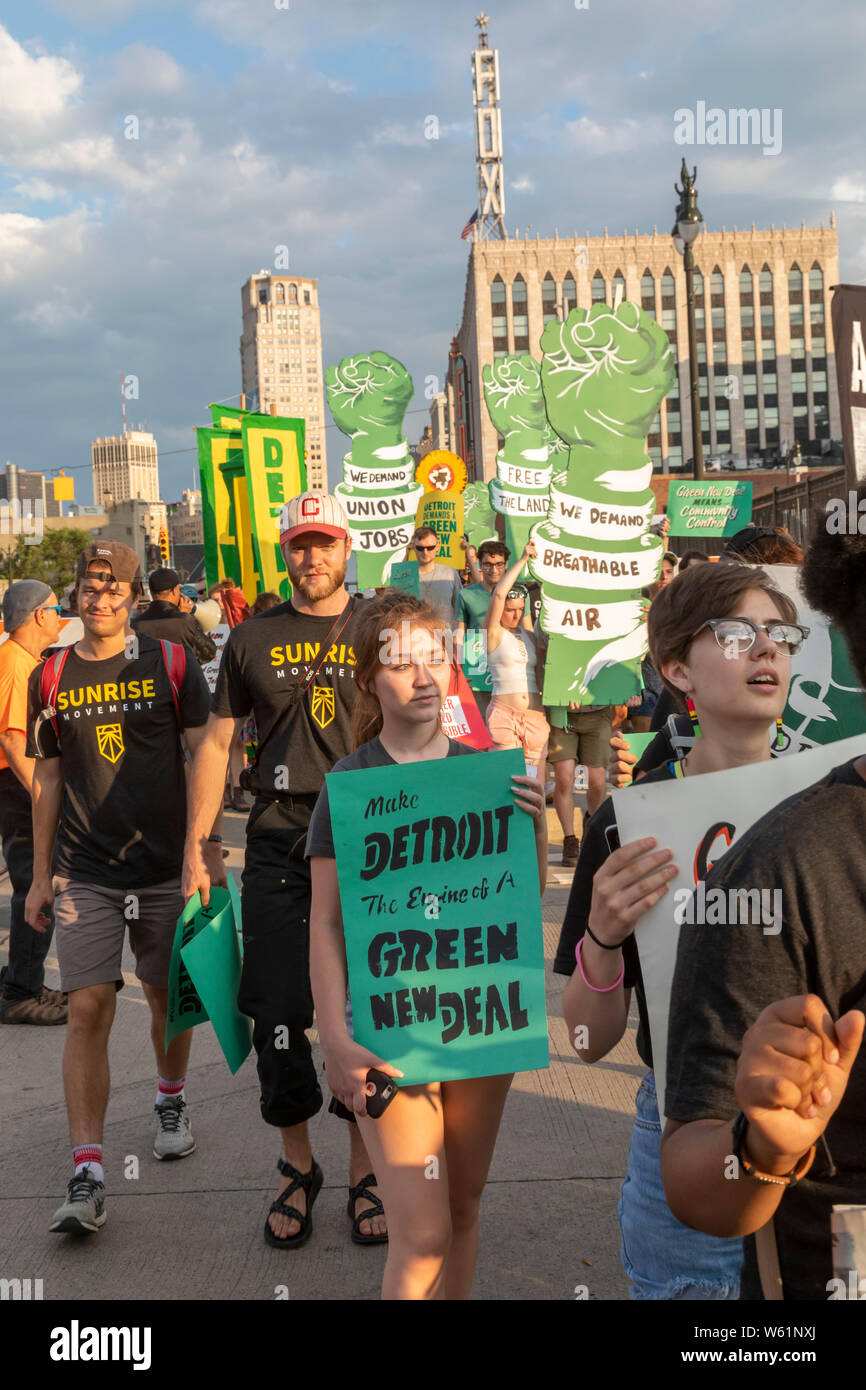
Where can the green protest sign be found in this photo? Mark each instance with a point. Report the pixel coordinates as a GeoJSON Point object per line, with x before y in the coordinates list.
{"type": "Point", "coordinates": [404, 576]}
{"type": "Point", "coordinates": [205, 972]}
{"type": "Point", "coordinates": [368, 395]}
{"type": "Point", "coordinates": [709, 507]}
{"type": "Point", "coordinates": [637, 743]}
{"type": "Point", "coordinates": [604, 374]}
{"type": "Point", "coordinates": [442, 917]}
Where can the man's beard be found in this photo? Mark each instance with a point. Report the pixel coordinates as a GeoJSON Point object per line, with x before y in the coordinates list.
{"type": "Point", "coordinates": [313, 590]}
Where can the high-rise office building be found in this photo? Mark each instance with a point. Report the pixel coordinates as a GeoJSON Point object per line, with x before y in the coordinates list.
{"type": "Point", "coordinates": [125, 467]}
{"type": "Point", "coordinates": [28, 488]}
{"type": "Point", "coordinates": [281, 359]}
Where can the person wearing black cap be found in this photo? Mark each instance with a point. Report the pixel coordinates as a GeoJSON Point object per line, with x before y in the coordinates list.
{"type": "Point", "coordinates": [109, 814]}
{"type": "Point", "coordinates": [164, 617]}
{"type": "Point", "coordinates": [31, 618]}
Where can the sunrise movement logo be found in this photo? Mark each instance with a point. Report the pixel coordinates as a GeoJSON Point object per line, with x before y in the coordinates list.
{"type": "Point", "coordinates": [110, 740]}
{"type": "Point", "coordinates": [323, 705]}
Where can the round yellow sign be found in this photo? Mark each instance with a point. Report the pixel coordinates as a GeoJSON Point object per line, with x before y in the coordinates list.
{"type": "Point", "coordinates": [441, 471]}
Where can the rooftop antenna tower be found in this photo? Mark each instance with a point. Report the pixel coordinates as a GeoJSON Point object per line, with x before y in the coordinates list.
{"type": "Point", "coordinates": [488, 138]}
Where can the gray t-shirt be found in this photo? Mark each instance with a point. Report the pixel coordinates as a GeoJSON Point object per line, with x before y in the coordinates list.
{"type": "Point", "coordinates": [442, 590]}
{"type": "Point", "coordinates": [320, 838]}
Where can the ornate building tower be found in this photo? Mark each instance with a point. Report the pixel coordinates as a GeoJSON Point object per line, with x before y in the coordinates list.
{"type": "Point", "coordinates": [488, 138]}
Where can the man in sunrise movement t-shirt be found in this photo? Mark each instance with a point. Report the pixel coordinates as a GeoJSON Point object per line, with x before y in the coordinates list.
{"type": "Point", "coordinates": [304, 728]}
{"type": "Point", "coordinates": [109, 816]}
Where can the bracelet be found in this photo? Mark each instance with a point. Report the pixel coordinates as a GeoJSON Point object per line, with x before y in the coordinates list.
{"type": "Point", "coordinates": [602, 944]}
{"type": "Point", "coordinates": [214, 839]}
{"type": "Point", "coordinates": [797, 1173]}
{"type": "Point", "coordinates": [597, 989]}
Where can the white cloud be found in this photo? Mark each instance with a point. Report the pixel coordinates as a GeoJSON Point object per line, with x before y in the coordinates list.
{"type": "Point", "coordinates": [32, 244]}
{"type": "Point", "coordinates": [523, 185]}
{"type": "Point", "coordinates": [33, 89]}
{"type": "Point", "coordinates": [849, 190]}
{"type": "Point", "coordinates": [141, 69]}
{"type": "Point", "coordinates": [39, 190]}
{"type": "Point", "coordinates": [55, 317]}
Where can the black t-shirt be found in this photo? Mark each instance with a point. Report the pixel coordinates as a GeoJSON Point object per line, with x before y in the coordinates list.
{"type": "Point", "coordinates": [123, 816]}
{"type": "Point", "coordinates": [593, 852]}
{"type": "Point", "coordinates": [812, 847]}
{"type": "Point", "coordinates": [320, 836]}
{"type": "Point", "coordinates": [264, 661]}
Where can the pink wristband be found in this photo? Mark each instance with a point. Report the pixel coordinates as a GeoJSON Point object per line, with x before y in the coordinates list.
{"type": "Point", "coordinates": [597, 989]}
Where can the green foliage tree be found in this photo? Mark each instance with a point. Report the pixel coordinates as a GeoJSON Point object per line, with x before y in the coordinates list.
{"type": "Point", "coordinates": [53, 559]}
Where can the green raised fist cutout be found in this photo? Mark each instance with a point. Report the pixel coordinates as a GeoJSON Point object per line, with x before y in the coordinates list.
{"type": "Point", "coordinates": [603, 375]}
{"type": "Point", "coordinates": [368, 395]}
{"type": "Point", "coordinates": [515, 403]}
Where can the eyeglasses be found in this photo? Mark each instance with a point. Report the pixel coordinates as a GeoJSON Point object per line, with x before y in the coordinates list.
{"type": "Point", "coordinates": [425, 547]}
{"type": "Point", "coordinates": [493, 564]}
{"type": "Point", "coordinates": [739, 634]}
{"type": "Point", "coordinates": [51, 607]}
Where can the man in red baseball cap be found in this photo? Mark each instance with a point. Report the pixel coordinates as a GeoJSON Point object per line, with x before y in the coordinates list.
{"type": "Point", "coordinates": [293, 667]}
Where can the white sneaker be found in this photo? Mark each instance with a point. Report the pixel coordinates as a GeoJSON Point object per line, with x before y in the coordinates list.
{"type": "Point", "coordinates": [84, 1208]}
{"type": "Point", "coordinates": [173, 1133]}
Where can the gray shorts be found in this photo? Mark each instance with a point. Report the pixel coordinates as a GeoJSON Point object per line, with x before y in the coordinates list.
{"type": "Point", "coordinates": [90, 924]}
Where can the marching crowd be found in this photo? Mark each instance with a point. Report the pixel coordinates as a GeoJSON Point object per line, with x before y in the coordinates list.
{"type": "Point", "coordinates": [116, 766]}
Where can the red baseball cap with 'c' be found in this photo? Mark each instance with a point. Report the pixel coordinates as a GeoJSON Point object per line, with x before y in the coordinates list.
{"type": "Point", "coordinates": [313, 511]}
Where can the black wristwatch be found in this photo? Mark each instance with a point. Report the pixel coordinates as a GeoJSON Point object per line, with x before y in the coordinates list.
{"type": "Point", "coordinates": [791, 1179]}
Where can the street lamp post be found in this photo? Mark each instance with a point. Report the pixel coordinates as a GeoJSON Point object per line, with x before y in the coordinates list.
{"type": "Point", "coordinates": [686, 227]}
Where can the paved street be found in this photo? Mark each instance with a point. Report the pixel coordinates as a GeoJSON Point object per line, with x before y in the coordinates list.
{"type": "Point", "coordinates": [193, 1229]}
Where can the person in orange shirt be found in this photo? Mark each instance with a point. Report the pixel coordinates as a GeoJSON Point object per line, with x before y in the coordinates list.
{"type": "Point", "coordinates": [31, 618]}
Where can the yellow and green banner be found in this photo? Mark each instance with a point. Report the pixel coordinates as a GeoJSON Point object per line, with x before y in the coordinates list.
{"type": "Point", "coordinates": [249, 465]}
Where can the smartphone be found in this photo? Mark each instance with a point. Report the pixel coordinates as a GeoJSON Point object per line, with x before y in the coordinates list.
{"type": "Point", "coordinates": [384, 1091]}
{"type": "Point", "coordinates": [612, 837]}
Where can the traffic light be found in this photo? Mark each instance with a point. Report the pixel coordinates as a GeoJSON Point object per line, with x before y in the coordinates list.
{"type": "Point", "coordinates": [163, 545]}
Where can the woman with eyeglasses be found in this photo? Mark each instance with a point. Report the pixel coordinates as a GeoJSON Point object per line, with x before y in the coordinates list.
{"type": "Point", "coordinates": [722, 636]}
{"type": "Point", "coordinates": [515, 715]}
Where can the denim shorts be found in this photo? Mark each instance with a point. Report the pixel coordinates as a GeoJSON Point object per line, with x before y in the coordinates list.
{"type": "Point", "coordinates": [663, 1258]}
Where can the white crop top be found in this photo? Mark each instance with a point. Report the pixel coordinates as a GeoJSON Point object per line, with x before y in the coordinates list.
{"type": "Point", "coordinates": [512, 664]}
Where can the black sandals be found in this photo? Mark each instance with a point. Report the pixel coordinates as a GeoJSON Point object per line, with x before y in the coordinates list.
{"type": "Point", "coordinates": [362, 1189]}
{"type": "Point", "coordinates": [311, 1184]}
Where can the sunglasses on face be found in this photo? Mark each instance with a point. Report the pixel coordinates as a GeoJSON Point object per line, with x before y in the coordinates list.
{"type": "Point", "coordinates": [739, 634]}
{"type": "Point", "coordinates": [51, 608]}
{"type": "Point", "coordinates": [516, 593]}
{"type": "Point", "coordinates": [425, 547]}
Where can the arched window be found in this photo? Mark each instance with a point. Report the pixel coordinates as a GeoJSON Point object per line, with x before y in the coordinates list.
{"type": "Point", "coordinates": [569, 295]}
{"type": "Point", "coordinates": [497, 308]}
{"type": "Point", "coordinates": [648, 288]}
{"type": "Point", "coordinates": [699, 285]}
{"type": "Point", "coordinates": [598, 290]}
{"type": "Point", "coordinates": [280, 294]}
{"type": "Point", "coordinates": [816, 278]}
{"type": "Point", "coordinates": [765, 280]}
{"type": "Point", "coordinates": [795, 280]}
{"type": "Point", "coordinates": [717, 281]}
{"type": "Point", "coordinates": [668, 285]}
{"type": "Point", "coordinates": [617, 286]}
{"type": "Point", "coordinates": [548, 298]}
{"type": "Point", "coordinates": [293, 294]}
{"type": "Point", "coordinates": [519, 311]}
{"type": "Point", "coordinates": [746, 286]}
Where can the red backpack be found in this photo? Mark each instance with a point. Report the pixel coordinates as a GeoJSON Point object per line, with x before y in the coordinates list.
{"type": "Point", "coordinates": [173, 654]}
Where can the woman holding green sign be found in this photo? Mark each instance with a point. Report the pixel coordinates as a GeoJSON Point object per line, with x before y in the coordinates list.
{"type": "Point", "coordinates": [723, 637]}
{"type": "Point", "coordinates": [433, 1145]}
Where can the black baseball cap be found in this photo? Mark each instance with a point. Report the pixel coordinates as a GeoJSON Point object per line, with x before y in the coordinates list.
{"type": "Point", "coordinates": [162, 580]}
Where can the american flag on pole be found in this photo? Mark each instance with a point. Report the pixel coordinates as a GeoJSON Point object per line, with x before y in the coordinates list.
{"type": "Point", "coordinates": [467, 230]}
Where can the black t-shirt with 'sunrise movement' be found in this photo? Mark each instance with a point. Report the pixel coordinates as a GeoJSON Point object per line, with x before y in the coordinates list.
{"type": "Point", "coordinates": [123, 815]}
{"type": "Point", "coordinates": [265, 660]}
{"type": "Point", "coordinates": [812, 847]}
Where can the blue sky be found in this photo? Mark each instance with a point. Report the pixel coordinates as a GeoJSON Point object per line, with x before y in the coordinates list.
{"type": "Point", "coordinates": [304, 126]}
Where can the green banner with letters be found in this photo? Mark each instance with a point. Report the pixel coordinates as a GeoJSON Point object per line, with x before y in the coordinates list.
{"type": "Point", "coordinates": [709, 507]}
{"type": "Point", "coordinates": [442, 917]}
